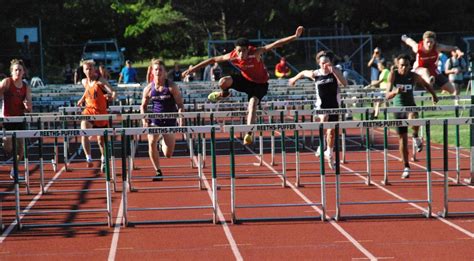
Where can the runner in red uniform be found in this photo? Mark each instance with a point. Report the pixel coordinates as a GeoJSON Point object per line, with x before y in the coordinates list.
{"type": "Point", "coordinates": [253, 77]}
{"type": "Point", "coordinates": [95, 97]}
{"type": "Point", "coordinates": [427, 51]}
{"type": "Point", "coordinates": [17, 100]}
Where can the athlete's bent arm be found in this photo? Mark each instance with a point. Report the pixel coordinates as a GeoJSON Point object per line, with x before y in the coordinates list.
{"type": "Point", "coordinates": [216, 59]}
{"type": "Point", "coordinates": [303, 74]}
{"type": "Point", "coordinates": [340, 78]}
{"type": "Point", "coordinates": [410, 42]}
{"type": "Point", "coordinates": [281, 42]}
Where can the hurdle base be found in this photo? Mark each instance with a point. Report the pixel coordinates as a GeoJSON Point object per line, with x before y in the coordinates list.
{"type": "Point", "coordinates": [85, 224]}
{"type": "Point", "coordinates": [423, 214]}
{"type": "Point", "coordinates": [277, 219]}
{"type": "Point", "coordinates": [169, 222]}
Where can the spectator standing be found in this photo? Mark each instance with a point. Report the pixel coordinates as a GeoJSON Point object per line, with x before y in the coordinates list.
{"type": "Point", "coordinates": [128, 74]}
{"type": "Point", "coordinates": [455, 67]}
{"type": "Point", "coordinates": [216, 72]}
{"type": "Point", "coordinates": [175, 74]}
{"type": "Point", "coordinates": [68, 74]}
{"type": "Point", "coordinates": [376, 59]}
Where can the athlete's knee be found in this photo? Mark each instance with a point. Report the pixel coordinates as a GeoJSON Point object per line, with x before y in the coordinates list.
{"type": "Point", "coordinates": [225, 82]}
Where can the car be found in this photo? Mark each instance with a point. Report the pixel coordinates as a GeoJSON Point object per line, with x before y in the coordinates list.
{"type": "Point", "coordinates": [104, 52]}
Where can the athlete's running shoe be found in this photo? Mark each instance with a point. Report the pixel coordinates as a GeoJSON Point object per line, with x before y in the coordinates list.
{"type": "Point", "coordinates": [248, 139]}
{"type": "Point", "coordinates": [406, 173]}
{"type": "Point", "coordinates": [158, 176]}
{"type": "Point", "coordinates": [418, 144]}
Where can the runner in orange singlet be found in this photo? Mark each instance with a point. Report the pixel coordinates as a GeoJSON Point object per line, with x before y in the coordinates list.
{"type": "Point", "coordinates": [253, 77]}
{"type": "Point", "coordinates": [98, 91]}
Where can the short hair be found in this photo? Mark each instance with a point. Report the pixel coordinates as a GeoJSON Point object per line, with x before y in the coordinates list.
{"type": "Point", "coordinates": [16, 62]}
{"type": "Point", "coordinates": [88, 62]}
{"type": "Point", "coordinates": [429, 34]}
{"type": "Point", "coordinates": [157, 61]}
{"type": "Point", "coordinates": [404, 56]}
{"type": "Point", "coordinates": [328, 54]}
{"type": "Point", "coordinates": [244, 42]}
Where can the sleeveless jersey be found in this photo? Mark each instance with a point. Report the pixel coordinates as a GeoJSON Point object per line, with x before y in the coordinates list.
{"type": "Point", "coordinates": [96, 103]}
{"type": "Point", "coordinates": [407, 84]}
{"type": "Point", "coordinates": [428, 60]}
{"type": "Point", "coordinates": [251, 68]}
{"type": "Point", "coordinates": [163, 101]}
{"type": "Point", "coordinates": [13, 99]}
{"type": "Point", "coordinates": [327, 90]}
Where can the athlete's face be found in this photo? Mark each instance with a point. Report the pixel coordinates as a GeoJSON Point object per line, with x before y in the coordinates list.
{"type": "Point", "coordinates": [324, 62]}
{"type": "Point", "coordinates": [17, 71]}
{"type": "Point", "coordinates": [158, 71]}
{"type": "Point", "coordinates": [89, 70]}
{"type": "Point", "coordinates": [242, 52]}
{"type": "Point", "coordinates": [428, 43]}
{"type": "Point", "coordinates": [403, 66]}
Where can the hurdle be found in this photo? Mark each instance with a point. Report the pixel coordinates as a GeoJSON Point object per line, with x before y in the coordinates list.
{"type": "Point", "coordinates": [427, 123]}
{"type": "Point", "coordinates": [446, 198]}
{"type": "Point", "coordinates": [281, 127]}
{"type": "Point", "coordinates": [62, 133]}
{"type": "Point", "coordinates": [167, 130]}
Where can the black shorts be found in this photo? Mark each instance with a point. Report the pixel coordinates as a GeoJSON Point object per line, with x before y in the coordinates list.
{"type": "Point", "coordinates": [252, 89]}
{"type": "Point", "coordinates": [402, 116]}
{"type": "Point", "coordinates": [13, 126]}
{"type": "Point", "coordinates": [163, 123]}
{"type": "Point", "coordinates": [440, 80]}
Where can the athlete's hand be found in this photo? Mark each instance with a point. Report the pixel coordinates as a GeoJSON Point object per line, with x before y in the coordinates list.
{"type": "Point", "coordinates": [186, 73]}
{"type": "Point", "coordinates": [28, 106]}
{"type": "Point", "coordinates": [180, 119]}
{"type": "Point", "coordinates": [299, 31]}
{"type": "Point", "coordinates": [404, 37]}
{"type": "Point", "coordinates": [292, 81]}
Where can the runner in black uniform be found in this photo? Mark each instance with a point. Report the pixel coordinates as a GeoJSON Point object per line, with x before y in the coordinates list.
{"type": "Point", "coordinates": [327, 80]}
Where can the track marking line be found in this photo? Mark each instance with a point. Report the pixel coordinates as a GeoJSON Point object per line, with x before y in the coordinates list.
{"type": "Point", "coordinates": [10, 228]}
{"type": "Point", "coordinates": [220, 215]}
{"type": "Point", "coordinates": [115, 238]}
{"type": "Point", "coordinates": [418, 165]}
{"type": "Point", "coordinates": [449, 223]}
{"type": "Point", "coordinates": [332, 222]}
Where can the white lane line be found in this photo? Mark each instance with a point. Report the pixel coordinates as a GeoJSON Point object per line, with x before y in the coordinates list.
{"type": "Point", "coordinates": [10, 228]}
{"type": "Point", "coordinates": [420, 166]}
{"type": "Point", "coordinates": [307, 200]}
{"type": "Point", "coordinates": [449, 223]}
{"type": "Point", "coordinates": [115, 238]}
{"type": "Point", "coordinates": [220, 215]}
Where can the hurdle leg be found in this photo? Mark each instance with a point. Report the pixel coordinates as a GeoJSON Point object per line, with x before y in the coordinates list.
{"type": "Point", "coordinates": [445, 168]}
{"type": "Point", "coordinates": [214, 176]}
{"type": "Point", "coordinates": [343, 146]}
{"type": "Point", "coordinates": [368, 157]}
{"type": "Point", "coordinates": [428, 168]}
{"type": "Point", "coordinates": [283, 158]}
{"type": "Point", "coordinates": [17, 184]}
{"type": "Point", "coordinates": [385, 157]}
{"type": "Point", "coordinates": [260, 148]}
{"type": "Point", "coordinates": [297, 159]}
{"type": "Point", "coordinates": [200, 164]}
{"type": "Point", "coordinates": [232, 177]}
{"type": "Point", "coordinates": [55, 159]}
{"type": "Point", "coordinates": [203, 150]}
{"type": "Point", "coordinates": [191, 149]}
{"type": "Point", "coordinates": [26, 164]}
